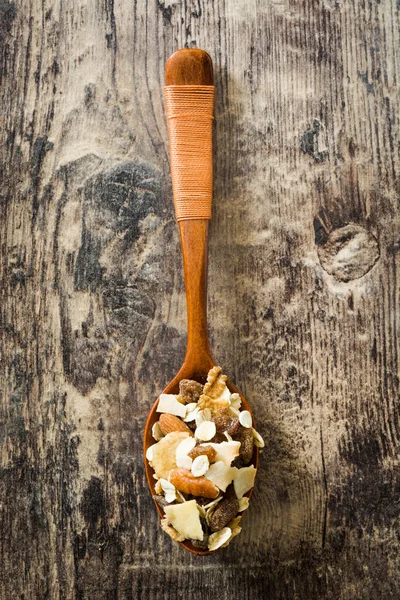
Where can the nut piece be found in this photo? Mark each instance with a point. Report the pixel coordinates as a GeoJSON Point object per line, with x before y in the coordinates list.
{"type": "Point", "coordinates": [169, 423]}
{"type": "Point", "coordinates": [216, 394]}
{"type": "Point", "coordinates": [184, 481]}
{"type": "Point", "coordinates": [205, 450]}
{"type": "Point", "coordinates": [205, 431]}
{"type": "Point", "coordinates": [156, 432]}
{"type": "Point", "coordinates": [164, 453]}
{"type": "Point", "coordinates": [200, 466]}
{"type": "Point", "coordinates": [246, 439]}
{"type": "Point", "coordinates": [226, 422]}
{"type": "Point", "coordinates": [177, 537]}
{"type": "Point", "coordinates": [223, 513]}
{"type": "Point", "coordinates": [245, 419]}
{"type": "Point", "coordinates": [189, 390]}
{"type": "Point", "coordinates": [219, 538]}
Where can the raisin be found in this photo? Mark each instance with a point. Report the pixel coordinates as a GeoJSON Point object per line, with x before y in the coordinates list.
{"type": "Point", "coordinates": [218, 438]}
{"type": "Point", "coordinates": [203, 450]}
{"type": "Point", "coordinates": [189, 390]}
{"type": "Point", "coordinates": [202, 544]}
{"type": "Point", "coordinates": [223, 513]}
{"type": "Point", "coordinates": [226, 422]}
{"type": "Point", "coordinates": [245, 437]}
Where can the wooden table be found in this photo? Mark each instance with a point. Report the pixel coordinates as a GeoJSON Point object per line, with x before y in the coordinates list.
{"type": "Point", "coordinates": [304, 290]}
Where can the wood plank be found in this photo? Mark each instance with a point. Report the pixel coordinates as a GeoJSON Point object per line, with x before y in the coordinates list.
{"type": "Point", "coordinates": [92, 297]}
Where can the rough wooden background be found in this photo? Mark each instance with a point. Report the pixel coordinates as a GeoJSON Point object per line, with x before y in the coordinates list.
{"type": "Point", "coordinates": [303, 292]}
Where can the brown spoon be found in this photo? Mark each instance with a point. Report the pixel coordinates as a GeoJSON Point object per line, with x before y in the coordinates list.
{"type": "Point", "coordinates": [191, 67]}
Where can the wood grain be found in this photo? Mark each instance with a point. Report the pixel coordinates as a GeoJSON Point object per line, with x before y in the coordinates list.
{"type": "Point", "coordinates": [92, 296]}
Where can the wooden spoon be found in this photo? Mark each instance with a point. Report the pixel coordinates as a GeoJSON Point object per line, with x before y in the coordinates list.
{"type": "Point", "coordinates": [191, 67]}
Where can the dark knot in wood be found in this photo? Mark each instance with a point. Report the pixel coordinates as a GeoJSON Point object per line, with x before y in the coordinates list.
{"type": "Point", "coordinates": [348, 252]}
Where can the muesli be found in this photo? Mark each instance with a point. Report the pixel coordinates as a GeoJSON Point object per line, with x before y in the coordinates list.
{"type": "Point", "coordinates": [201, 461]}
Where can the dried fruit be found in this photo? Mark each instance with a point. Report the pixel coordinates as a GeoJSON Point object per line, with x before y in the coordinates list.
{"type": "Point", "coordinates": [203, 450]}
{"type": "Point", "coordinates": [185, 519]}
{"type": "Point", "coordinates": [244, 480]}
{"type": "Point", "coordinates": [246, 439]}
{"type": "Point", "coordinates": [169, 404]}
{"type": "Point", "coordinates": [190, 390]}
{"type": "Point", "coordinates": [169, 423]}
{"type": "Point", "coordinates": [177, 537]}
{"type": "Point", "coordinates": [184, 481]}
{"type": "Point", "coordinates": [223, 513]}
{"type": "Point", "coordinates": [161, 500]}
{"type": "Point", "coordinates": [226, 451]}
{"type": "Point", "coordinates": [221, 475]}
{"type": "Point", "coordinates": [164, 453]}
{"type": "Point", "coordinates": [226, 422]}
{"type": "Point", "coordinates": [235, 529]}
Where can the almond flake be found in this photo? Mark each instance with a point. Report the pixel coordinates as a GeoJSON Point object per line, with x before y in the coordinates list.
{"type": "Point", "coordinates": [185, 519]}
{"type": "Point", "coordinates": [168, 489]}
{"type": "Point", "coordinates": [258, 441]}
{"type": "Point", "coordinates": [236, 401]}
{"type": "Point", "coordinates": [245, 419]}
{"type": "Point", "coordinates": [191, 415]}
{"type": "Point", "coordinates": [213, 503]}
{"type": "Point", "coordinates": [169, 404]}
{"type": "Point", "coordinates": [221, 475]}
{"type": "Point", "coordinates": [203, 415]}
{"type": "Point", "coordinates": [226, 451]}
{"type": "Point", "coordinates": [205, 431]}
{"type": "Point", "coordinates": [217, 539]}
{"type": "Point", "coordinates": [200, 465]}
{"type": "Point", "coordinates": [182, 458]}
{"type": "Point", "coordinates": [244, 480]}
{"type": "Point", "coordinates": [243, 504]}
{"type": "Point", "coordinates": [234, 411]}
{"type": "Point", "coordinates": [228, 437]}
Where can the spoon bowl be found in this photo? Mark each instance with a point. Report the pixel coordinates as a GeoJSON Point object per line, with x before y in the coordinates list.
{"type": "Point", "coordinates": [191, 67]}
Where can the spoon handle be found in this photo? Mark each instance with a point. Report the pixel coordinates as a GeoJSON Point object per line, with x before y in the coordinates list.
{"type": "Point", "coordinates": [189, 94]}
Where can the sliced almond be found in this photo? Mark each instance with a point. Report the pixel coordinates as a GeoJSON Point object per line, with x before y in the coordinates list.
{"type": "Point", "coordinates": [168, 489]}
{"type": "Point", "coordinates": [203, 415]}
{"type": "Point", "coordinates": [200, 465]}
{"type": "Point", "coordinates": [236, 401]}
{"type": "Point", "coordinates": [169, 404]}
{"type": "Point", "coordinates": [191, 415]}
{"type": "Point", "coordinates": [245, 419]}
{"type": "Point", "coordinates": [205, 431]}
{"type": "Point", "coordinates": [221, 475]}
{"type": "Point", "coordinates": [258, 441]}
{"type": "Point", "coordinates": [217, 539]}
{"type": "Point", "coordinates": [244, 480]}
{"type": "Point", "coordinates": [182, 458]}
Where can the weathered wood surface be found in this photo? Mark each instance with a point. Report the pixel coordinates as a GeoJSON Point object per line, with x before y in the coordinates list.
{"type": "Point", "coordinates": [303, 292]}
